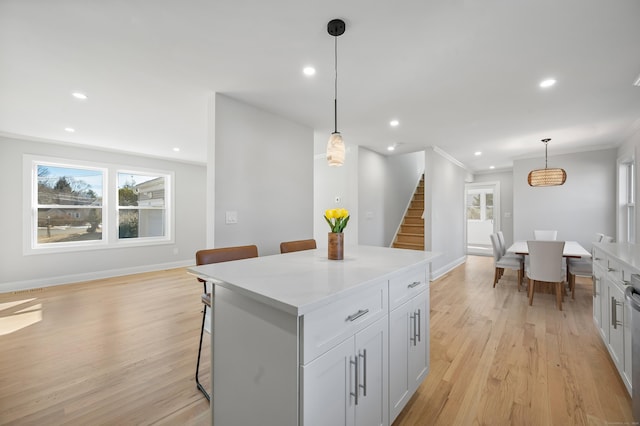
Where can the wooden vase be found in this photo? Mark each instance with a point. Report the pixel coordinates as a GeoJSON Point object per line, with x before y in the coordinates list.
{"type": "Point", "coordinates": [336, 246]}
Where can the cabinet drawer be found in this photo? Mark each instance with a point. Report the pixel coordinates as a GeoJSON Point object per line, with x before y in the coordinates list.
{"type": "Point", "coordinates": [600, 259]}
{"type": "Point", "coordinates": [614, 270]}
{"type": "Point", "coordinates": [327, 326]}
{"type": "Point", "coordinates": [407, 285]}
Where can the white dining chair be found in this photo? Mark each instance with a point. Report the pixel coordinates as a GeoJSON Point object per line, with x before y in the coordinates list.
{"type": "Point", "coordinates": [582, 267]}
{"type": "Point", "coordinates": [545, 235]}
{"type": "Point", "coordinates": [546, 265]}
{"type": "Point", "coordinates": [504, 262]}
{"type": "Point", "coordinates": [503, 248]}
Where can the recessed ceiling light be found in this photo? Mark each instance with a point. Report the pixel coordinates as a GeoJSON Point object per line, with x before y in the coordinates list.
{"type": "Point", "coordinates": [176, 149]}
{"type": "Point", "coordinates": [547, 83]}
{"type": "Point", "coordinates": [69, 129]}
{"type": "Point", "coordinates": [477, 153]}
{"type": "Point", "coordinates": [492, 167]}
{"type": "Point", "coordinates": [394, 123]}
{"type": "Point", "coordinates": [309, 71]}
{"type": "Point", "coordinates": [391, 148]}
{"type": "Point", "coordinates": [79, 95]}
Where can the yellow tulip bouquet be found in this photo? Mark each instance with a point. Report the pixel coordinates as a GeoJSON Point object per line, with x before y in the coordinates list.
{"type": "Point", "coordinates": [337, 219]}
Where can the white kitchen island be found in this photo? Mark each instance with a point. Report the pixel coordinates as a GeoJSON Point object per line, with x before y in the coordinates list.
{"type": "Point", "coordinates": [302, 340]}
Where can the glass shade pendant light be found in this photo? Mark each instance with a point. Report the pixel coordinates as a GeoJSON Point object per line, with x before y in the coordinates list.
{"type": "Point", "coordinates": [546, 176]}
{"type": "Point", "coordinates": [335, 146]}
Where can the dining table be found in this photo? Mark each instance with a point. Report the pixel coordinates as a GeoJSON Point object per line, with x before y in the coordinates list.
{"type": "Point", "coordinates": [572, 250]}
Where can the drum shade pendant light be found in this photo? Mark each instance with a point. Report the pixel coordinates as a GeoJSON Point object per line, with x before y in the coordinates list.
{"type": "Point", "coordinates": [546, 176]}
{"type": "Point", "coordinates": [335, 147]}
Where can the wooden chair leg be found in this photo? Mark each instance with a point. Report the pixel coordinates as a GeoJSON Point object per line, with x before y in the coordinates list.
{"type": "Point", "coordinates": [559, 295]}
{"type": "Point", "coordinates": [531, 286]}
{"type": "Point", "coordinates": [572, 285]}
{"type": "Point", "coordinates": [520, 274]}
{"type": "Point", "coordinates": [495, 277]}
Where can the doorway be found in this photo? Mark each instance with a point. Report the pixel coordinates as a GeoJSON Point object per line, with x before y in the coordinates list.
{"type": "Point", "coordinates": [483, 216]}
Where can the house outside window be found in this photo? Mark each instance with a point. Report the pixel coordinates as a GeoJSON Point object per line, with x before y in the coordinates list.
{"type": "Point", "coordinates": [141, 205]}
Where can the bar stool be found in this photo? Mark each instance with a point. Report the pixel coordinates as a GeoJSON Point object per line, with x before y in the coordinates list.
{"type": "Point", "coordinates": [216, 255]}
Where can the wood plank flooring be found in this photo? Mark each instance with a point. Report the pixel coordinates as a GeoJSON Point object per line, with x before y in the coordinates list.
{"type": "Point", "coordinates": [122, 351]}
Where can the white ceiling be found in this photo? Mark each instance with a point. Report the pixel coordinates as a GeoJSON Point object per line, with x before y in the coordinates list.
{"type": "Point", "coordinates": [458, 74]}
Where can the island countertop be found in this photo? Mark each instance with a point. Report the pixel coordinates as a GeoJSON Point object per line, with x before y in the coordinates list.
{"type": "Point", "coordinates": [303, 281]}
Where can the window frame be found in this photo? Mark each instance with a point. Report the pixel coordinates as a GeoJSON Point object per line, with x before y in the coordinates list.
{"type": "Point", "coordinates": [110, 238]}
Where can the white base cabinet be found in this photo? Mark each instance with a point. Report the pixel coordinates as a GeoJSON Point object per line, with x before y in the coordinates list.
{"type": "Point", "coordinates": [408, 351]}
{"type": "Point", "coordinates": [348, 384]}
{"type": "Point", "coordinates": [613, 265]}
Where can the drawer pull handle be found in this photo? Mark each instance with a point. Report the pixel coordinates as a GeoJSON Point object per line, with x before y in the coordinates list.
{"type": "Point", "coordinates": [611, 270]}
{"type": "Point", "coordinates": [357, 315]}
{"type": "Point", "coordinates": [597, 259]}
{"type": "Point", "coordinates": [414, 284]}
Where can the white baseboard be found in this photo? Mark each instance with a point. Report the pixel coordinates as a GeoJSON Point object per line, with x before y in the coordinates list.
{"type": "Point", "coordinates": [446, 268]}
{"type": "Point", "coordinates": [89, 276]}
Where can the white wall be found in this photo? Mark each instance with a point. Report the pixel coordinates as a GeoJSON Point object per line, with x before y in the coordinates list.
{"type": "Point", "coordinates": [264, 172]}
{"type": "Point", "coordinates": [444, 212]}
{"type": "Point", "coordinates": [506, 200]}
{"type": "Point", "coordinates": [18, 271]}
{"type": "Point", "coordinates": [583, 206]}
{"type": "Point", "coordinates": [372, 197]}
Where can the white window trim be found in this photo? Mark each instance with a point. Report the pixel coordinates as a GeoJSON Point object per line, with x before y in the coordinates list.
{"type": "Point", "coordinates": [110, 238]}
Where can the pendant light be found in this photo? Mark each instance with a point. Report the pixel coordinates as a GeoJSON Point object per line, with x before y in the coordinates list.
{"type": "Point", "coordinates": [546, 176]}
{"type": "Point", "coordinates": [335, 146]}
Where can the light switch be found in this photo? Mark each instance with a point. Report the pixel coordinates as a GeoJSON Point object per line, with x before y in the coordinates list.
{"type": "Point", "coordinates": [231, 217]}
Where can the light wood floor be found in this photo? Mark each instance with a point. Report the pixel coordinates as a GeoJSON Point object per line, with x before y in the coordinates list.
{"type": "Point", "coordinates": [122, 351]}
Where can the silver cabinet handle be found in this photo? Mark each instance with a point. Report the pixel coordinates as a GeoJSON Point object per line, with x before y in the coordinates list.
{"type": "Point", "coordinates": [610, 269]}
{"type": "Point", "coordinates": [354, 363]}
{"type": "Point", "coordinates": [414, 284]}
{"type": "Point", "coordinates": [419, 315]}
{"type": "Point", "coordinates": [357, 315]}
{"type": "Point", "coordinates": [594, 279]}
{"type": "Point", "coordinates": [363, 355]}
{"type": "Point", "coordinates": [412, 339]}
{"type": "Point", "coordinates": [614, 313]}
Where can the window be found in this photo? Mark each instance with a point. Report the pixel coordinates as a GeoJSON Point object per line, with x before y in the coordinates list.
{"type": "Point", "coordinates": [626, 201]}
{"type": "Point", "coordinates": [480, 204]}
{"type": "Point", "coordinates": [141, 205]}
{"type": "Point", "coordinates": [73, 205]}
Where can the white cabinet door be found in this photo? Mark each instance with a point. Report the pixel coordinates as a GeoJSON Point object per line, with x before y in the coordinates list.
{"type": "Point", "coordinates": [371, 354]}
{"type": "Point", "coordinates": [399, 392]}
{"type": "Point", "coordinates": [327, 384]}
{"type": "Point", "coordinates": [419, 343]}
{"type": "Point", "coordinates": [597, 296]}
{"type": "Point", "coordinates": [616, 315]}
{"type": "Point", "coordinates": [408, 350]}
{"type": "Point", "coordinates": [347, 385]}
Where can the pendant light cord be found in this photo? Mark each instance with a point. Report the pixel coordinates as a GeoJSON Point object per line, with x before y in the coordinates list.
{"type": "Point", "coordinates": [545, 154]}
{"type": "Point", "coordinates": [335, 96]}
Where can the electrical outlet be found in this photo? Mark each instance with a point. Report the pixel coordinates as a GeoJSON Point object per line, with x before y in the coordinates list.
{"type": "Point", "coordinates": [231, 217]}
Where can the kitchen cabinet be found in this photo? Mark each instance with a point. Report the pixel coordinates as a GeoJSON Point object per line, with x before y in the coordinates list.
{"type": "Point", "coordinates": [348, 384]}
{"type": "Point", "coordinates": [408, 345]}
{"type": "Point", "coordinates": [613, 265]}
{"type": "Point", "coordinates": [302, 340]}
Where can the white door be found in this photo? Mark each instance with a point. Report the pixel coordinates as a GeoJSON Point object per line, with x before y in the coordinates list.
{"type": "Point", "coordinates": [483, 214]}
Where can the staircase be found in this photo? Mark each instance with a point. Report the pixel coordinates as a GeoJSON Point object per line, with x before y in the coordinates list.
{"type": "Point", "coordinates": [411, 233]}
